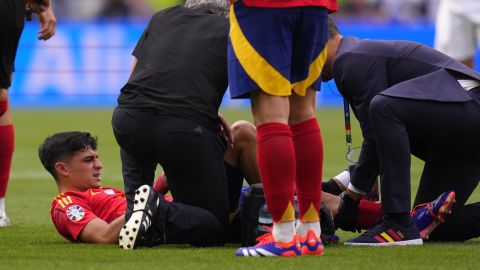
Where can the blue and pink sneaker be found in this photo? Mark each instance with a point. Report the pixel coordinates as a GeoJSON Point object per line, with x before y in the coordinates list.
{"type": "Point", "coordinates": [311, 244]}
{"type": "Point", "coordinates": [427, 216]}
{"type": "Point", "coordinates": [268, 247]}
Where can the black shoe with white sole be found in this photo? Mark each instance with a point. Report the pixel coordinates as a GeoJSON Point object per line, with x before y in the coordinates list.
{"type": "Point", "coordinates": [145, 207]}
{"type": "Point", "coordinates": [388, 233]}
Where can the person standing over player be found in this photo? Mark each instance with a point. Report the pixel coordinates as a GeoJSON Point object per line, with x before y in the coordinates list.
{"type": "Point", "coordinates": [276, 53]}
{"type": "Point", "coordinates": [12, 16]}
{"type": "Point", "coordinates": [167, 112]}
{"type": "Point", "coordinates": [457, 32]}
{"type": "Point", "coordinates": [409, 99]}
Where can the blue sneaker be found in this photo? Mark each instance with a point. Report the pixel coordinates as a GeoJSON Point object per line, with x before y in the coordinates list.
{"type": "Point", "coordinates": [388, 233]}
{"type": "Point", "coordinates": [335, 239]}
{"type": "Point", "coordinates": [427, 216]}
{"type": "Point", "coordinates": [268, 247]}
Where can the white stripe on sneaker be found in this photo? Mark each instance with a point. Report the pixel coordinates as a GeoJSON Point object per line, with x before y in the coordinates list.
{"type": "Point", "coordinates": [264, 252]}
{"type": "Point", "coordinates": [413, 242]}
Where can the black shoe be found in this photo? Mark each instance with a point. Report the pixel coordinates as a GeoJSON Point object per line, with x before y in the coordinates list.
{"type": "Point", "coordinates": [152, 237]}
{"type": "Point", "coordinates": [388, 233]}
{"type": "Point", "coordinates": [145, 207]}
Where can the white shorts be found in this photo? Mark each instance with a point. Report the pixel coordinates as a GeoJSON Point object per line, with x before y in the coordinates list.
{"type": "Point", "coordinates": [456, 34]}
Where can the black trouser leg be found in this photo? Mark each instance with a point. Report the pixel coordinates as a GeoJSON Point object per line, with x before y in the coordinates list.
{"type": "Point", "coordinates": [393, 149]}
{"type": "Point", "coordinates": [444, 134]}
{"type": "Point", "coordinates": [461, 225]}
{"type": "Point", "coordinates": [136, 172]}
{"type": "Point", "coordinates": [187, 224]}
{"type": "Point", "coordinates": [191, 156]}
{"type": "Point", "coordinates": [460, 175]}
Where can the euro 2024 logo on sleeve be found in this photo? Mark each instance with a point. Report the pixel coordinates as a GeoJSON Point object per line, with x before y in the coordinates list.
{"type": "Point", "coordinates": [75, 212]}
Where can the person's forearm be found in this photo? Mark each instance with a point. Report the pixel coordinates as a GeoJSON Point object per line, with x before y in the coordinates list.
{"type": "Point", "coordinates": [38, 6]}
{"type": "Point", "coordinates": [331, 202]}
{"type": "Point", "coordinates": [113, 230]}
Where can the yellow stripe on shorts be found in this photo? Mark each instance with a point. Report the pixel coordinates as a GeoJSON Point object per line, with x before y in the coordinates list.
{"type": "Point", "coordinates": [314, 71]}
{"type": "Point", "coordinates": [258, 69]}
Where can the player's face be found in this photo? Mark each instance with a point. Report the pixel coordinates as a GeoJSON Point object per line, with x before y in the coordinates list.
{"type": "Point", "coordinates": [84, 169]}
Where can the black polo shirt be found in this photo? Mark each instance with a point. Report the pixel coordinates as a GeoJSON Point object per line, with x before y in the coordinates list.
{"type": "Point", "coordinates": [182, 65]}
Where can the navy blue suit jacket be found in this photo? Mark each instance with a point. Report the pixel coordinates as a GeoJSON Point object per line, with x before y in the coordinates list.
{"type": "Point", "coordinates": [365, 68]}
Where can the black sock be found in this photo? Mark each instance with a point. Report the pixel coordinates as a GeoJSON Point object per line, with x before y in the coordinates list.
{"type": "Point", "coordinates": [331, 187]}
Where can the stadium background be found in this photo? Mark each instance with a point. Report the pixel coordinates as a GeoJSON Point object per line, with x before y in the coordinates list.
{"type": "Point", "coordinates": [88, 60]}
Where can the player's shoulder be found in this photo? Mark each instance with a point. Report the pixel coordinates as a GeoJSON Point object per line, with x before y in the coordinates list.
{"type": "Point", "coordinates": [69, 197]}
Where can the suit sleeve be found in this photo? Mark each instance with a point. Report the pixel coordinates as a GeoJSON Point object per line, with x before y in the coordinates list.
{"type": "Point", "coordinates": [359, 78]}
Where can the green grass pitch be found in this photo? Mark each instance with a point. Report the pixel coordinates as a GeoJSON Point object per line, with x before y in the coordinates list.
{"type": "Point", "coordinates": [32, 242]}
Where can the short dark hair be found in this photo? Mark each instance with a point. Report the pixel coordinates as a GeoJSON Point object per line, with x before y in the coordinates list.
{"type": "Point", "coordinates": [62, 146]}
{"type": "Point", "coordinates": [332, 28]}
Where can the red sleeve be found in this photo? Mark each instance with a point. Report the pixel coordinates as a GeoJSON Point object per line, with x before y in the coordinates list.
{"type": "Point", "coordinates": [69, 220]}
{"type": "Point", "coordinates": [331, 5]}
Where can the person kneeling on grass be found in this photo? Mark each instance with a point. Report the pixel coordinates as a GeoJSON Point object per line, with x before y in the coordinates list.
{"type": "Point", "coordinates": [87, 212]}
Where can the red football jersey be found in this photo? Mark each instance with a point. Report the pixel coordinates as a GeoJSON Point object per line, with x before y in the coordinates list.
{"type": "Point", "coordinates": [72, 210]}
{"type": "Point", "coordinates": [331, 5]}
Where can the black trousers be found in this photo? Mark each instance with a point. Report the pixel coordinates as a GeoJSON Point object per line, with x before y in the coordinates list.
{"type": "Point", "coordinates": [444, 135]}
{"type": "Point", "coordinates": [192, 158]}
{"type": "Point", "coordinates": [12, 26]}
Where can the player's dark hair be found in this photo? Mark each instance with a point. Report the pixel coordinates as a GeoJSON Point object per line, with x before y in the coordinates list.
{"type": "Point", "coordinates": [62, 146]}
{"type": "Point", "coordinates": [332, 28]}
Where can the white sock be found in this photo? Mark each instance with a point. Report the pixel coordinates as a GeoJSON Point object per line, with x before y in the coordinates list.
{"type": "Point", "coordinates": [343, 178]}
{"type": "Point", "coordinates": [304, 227]}
{"type": "Point", "coordinates": [283, 231]}
{"type": "Point", "coordinates": [2, 207]}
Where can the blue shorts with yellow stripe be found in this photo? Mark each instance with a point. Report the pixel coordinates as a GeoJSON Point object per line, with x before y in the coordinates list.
{"type": "Point", "coordinates": [276, 49]}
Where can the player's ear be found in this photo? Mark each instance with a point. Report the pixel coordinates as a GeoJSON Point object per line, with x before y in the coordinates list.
{"type": "Point", "coordinates": [61, 168]}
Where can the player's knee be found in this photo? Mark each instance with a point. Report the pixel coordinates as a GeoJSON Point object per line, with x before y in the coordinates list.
{"type": "Point", "coordinates": [3, 101]}
{"type": "Point", "coordinates": [300, 115]}
{"type": "Point", "coordinates": [244, 131]}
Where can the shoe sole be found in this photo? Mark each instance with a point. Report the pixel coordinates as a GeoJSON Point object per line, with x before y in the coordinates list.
{"type": "Point", "coordinates": [316, 249]}
{"type": "Point", "coordinates": [442, 212]}
{"type": "Point", "coordinates": [128, 238]}
{"type": "Point", "coordinates": [306, 251]}
{"type": "Point", "coordinates": [260, 252]}
{"type": "Point", "coordinates": [413, 242]}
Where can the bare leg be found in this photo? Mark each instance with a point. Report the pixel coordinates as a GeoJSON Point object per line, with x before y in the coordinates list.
{"type": "Point", "coordinates": [6, 152]}
{"type": "Point", "coordinates": [244, 151]}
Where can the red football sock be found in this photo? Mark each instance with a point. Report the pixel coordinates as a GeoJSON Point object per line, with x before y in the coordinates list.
{"type": "Point", "coordinates": [3, 107]}
{"type": "Point", "coordinates": [161, 184]}
{"type": "Point", "coordinates": [309, 156]}
{"type": "Point", "coordinates": [6, 153]}
{"type": "Point", "coordinates": [276, 163]}
{"type": "Point", "coordinates": [369, 214]}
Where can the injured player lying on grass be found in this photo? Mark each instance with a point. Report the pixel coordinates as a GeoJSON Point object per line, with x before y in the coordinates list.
{"type": "Point", "coordinates": [87, 212]}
